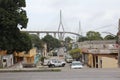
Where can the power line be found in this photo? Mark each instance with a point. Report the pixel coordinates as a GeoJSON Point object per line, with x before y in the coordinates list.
{"type": "Point", "coordinates": [106, 26]}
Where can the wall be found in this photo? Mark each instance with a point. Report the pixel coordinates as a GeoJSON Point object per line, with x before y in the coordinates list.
{"type": "Point", "coordinates": [90, 60]}
{"type": "Point", "coordinates": [3, 52]}
{"type": "Point", "coordinates": [108, 62]}
{"type": "Point", "coordinates": [7, 60]}
{"type": "Point", "coordinates": [27, 58]}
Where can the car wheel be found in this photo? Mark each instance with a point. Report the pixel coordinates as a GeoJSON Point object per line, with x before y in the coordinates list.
{"type": "Point", "coordinates": [63, 65]}
{"type": "Point", "coordinates": [49, 66]}
{"type": "Point", "coordinates": [53, 65]}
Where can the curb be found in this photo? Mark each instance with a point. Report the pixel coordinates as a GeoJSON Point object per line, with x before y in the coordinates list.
{"type": "Point", "coordinates": [32, 70]}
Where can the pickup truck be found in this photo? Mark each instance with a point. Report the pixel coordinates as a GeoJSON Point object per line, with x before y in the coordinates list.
{"type": "Point", "coordinates": [56, 63]}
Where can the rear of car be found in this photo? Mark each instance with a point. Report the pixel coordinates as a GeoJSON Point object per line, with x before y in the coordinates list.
{"type": "Point", "coordinates": [76, 65]}
{"type": "Point", "coordinates": [68, 59]}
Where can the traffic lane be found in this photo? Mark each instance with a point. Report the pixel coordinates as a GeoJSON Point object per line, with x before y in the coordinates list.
{"type": "Point", "coordinates": [82, 74]}
{"type": "Point", "coordinates": [67, 67]}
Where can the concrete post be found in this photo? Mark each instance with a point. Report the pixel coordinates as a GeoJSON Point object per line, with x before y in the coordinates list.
{"type": "Point", "coordinates": [118, 34]}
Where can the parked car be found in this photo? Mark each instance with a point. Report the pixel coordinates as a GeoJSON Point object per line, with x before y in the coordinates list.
{"type": "Point", "coordinates": [68, 59]}
{"type": "Point", "coordinates": [45, 63]}
{"type": "Point", "coordinates": [76, 65]}
{"type": "Point", "coordinates": [56, 63]}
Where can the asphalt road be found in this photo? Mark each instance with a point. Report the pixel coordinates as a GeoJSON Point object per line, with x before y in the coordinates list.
{"type": "Point", "coordinates": [73, 74]}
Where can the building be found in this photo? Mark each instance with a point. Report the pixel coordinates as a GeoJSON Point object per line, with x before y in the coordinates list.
{"type": "Point", "coordinates": [30, 58]}
{"type": "Point", "coordinates": [5, 59]}
{"type": "Point", "coordinates": [99, 54]}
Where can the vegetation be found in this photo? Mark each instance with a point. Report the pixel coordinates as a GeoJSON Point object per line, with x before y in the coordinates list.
{"type": "Point", "coordinates": [36, 42]}
{"type": "Point", "coordinates": [81, 39]}
{"type": "Point", "coordinates": [110, 37]}
{"type": "Point", "coordinates": [13, 17]}
{"type": "Point", "coordinates": [51, 42]}
{"type": "Point", "coordinates": [68, 39]}
{"type": "Point", "coordinates": [24, 43]}
{"type": "Point", "coordinates": [68, 44]}
{"type": "Point", "coordinates": [92, 35]}
{"type": "Point", "coordinates": [76, 53]}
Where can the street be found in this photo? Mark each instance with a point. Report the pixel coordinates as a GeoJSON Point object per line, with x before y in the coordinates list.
{"type": "Point", "coordinates": [73, 74]}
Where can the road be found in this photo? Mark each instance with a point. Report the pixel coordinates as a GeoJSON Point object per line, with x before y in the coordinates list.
{"type": "Point", "coordinates": [73, 74]}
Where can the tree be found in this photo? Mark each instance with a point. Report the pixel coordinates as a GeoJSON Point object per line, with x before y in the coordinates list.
{"type": "Point", "coordinates": [51, 42]}
{"type": "Point", "coordinates": [68, 39]}
{"type": "Point", "coordinates": [110, 37]}
{"type": "Point", "coordinates": [76, 53]}
{"type": "Point", "coordinates": [81, 39]}
{"type": "Point", "coordinates": [68, 44]}
{"type": "Point", "coordinates": [92, 35]}
{"type": "Point", "coordinates": [24, 43]}
{"type": "Point", "coordinates": [12, 15]}
{"type": "Point", "coordinates": [36, 41]}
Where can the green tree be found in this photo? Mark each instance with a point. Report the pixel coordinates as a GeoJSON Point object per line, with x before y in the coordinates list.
{"type": "Point", "coordinates": [51, 42]}
{"type": "Point", "coordinates": [81, 39]}
{"type": "Point", "coordinates": [12, 16]}
{"type": "Point", "coordinates": [92, 35]}
{"type": "Point", "coordinates": [76, 53]}
{"type": "Point", "coordinates": [68, 44]}
{"type": "Point", "coordinates": [36, 42]}
{"type": "Point", "coordinates": [24, 43]}
{"type": "Point", "coordinates": [110, 37]}
{"type": "Point", "coordinates": [68, 39]}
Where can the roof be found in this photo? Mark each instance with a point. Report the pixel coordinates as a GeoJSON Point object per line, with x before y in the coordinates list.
{"type": "Point", "coordinates": [100, 51]}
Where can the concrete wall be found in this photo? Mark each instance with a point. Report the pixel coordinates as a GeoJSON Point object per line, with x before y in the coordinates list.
{"type": "Point", "coordinates": [7, 60]}
{"type": "Point", "coordinates": [108, 62]}
{"type": "Point", "coordinates": [98, 45]}
{"type": "Point", "coordinates": [103, 61]}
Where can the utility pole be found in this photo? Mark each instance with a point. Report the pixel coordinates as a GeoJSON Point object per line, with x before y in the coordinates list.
{"type": "Point", "coordinates": [118, 34]}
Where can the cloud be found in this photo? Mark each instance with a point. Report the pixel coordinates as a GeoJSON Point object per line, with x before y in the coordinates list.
{"type": "Point", "coordinates": [44, 14]}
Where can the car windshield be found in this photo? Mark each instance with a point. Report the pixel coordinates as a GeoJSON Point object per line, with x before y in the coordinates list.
{"type": "Point", "coordinates": [77, 63]}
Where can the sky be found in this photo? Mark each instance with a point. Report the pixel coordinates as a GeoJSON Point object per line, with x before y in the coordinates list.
{"type": "Point", "coordinates": [96, 15]}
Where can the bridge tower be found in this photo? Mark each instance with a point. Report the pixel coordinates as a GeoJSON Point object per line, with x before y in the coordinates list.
{"type": "Point", "coordinates": [79, 31]}
{"type": "Point", "coordinates": [61, 35]}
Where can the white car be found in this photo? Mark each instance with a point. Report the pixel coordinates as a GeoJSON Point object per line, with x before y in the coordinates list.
{"type": "Point", "coordinates": [76, 65]}
{"type": "Point", "coordinates": [56, 63]}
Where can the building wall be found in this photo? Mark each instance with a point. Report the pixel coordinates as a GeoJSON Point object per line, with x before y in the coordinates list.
{"type": "Point", "coordinates": [90, 60]}
{"type": "Point", "coordinates": [5, 60]}
{"type": "Point", "coordinates": [3, 52]}
{"type": "Point", "coordinates": [101, 54]}
{"type": "Point", "coordinates": [27, 58]}
{"type": "Point", "coordinates": [108, 62]}
{"type": "Point", "coordinates": [104, 61]}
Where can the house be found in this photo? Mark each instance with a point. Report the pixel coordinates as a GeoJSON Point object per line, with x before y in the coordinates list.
{"type": "Point", "coordinates": [99, 54]}
{"type": "Point", "coordinates": [6, 60]}
{"type": "Point", "coordinates": [30, 58]}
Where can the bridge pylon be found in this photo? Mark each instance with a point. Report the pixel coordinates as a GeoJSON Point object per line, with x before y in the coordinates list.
{"type": "Point", "coordinates": [79, 31]}
{"type": "Point", "coordinates": [61, 35]}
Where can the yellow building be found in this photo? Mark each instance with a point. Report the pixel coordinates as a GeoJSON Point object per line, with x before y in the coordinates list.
{"type": "Point", "coordinates": [100, 53]}
{"type": "Point", "coordinates": [27, 58]}
{"type": "Point", "coordinates": [101, 60]}
{"type": "Point", "coordinates": [3, 52]}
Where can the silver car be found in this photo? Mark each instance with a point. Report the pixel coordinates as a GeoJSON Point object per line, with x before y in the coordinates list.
{"type": "Point", "coordinates": [76, 65]}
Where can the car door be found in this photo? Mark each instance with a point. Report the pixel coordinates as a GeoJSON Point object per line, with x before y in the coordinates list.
{"type": "Point", "coordinates": [59, 63]}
